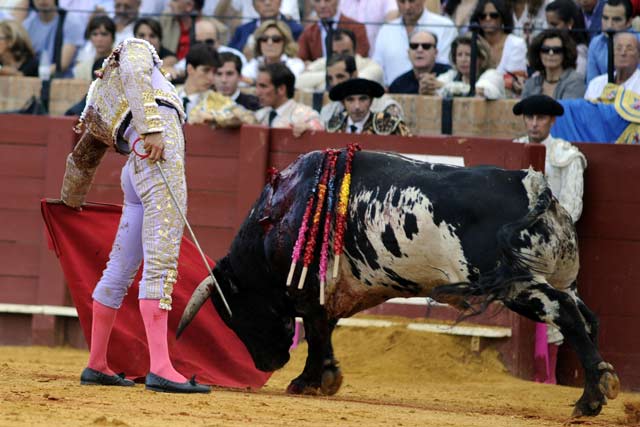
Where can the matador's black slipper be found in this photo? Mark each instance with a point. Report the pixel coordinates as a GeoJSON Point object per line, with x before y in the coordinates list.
{"type": "Point", "coordinates": [92, 377]}
{"type": "Point", "coordinates": [154, 382]}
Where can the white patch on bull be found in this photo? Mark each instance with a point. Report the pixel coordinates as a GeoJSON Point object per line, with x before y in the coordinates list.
{"type": "Point", "coordinates": [559, 268]}
{"type": "Point", "coordinates": [534, 183]}
{"type": "Point", "coordinates": [551, 308]}
{"type": "Point", "coordinates": [433, 256]}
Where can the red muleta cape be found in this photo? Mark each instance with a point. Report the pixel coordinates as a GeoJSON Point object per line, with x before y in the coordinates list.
{"type": "Point", "coordinates": [208, 348]}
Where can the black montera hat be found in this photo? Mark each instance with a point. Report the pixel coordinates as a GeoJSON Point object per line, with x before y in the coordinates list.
{"type": "Point", "coordinates": [538, 104]}
{"type": "Point", "coordinates": [356, 87]}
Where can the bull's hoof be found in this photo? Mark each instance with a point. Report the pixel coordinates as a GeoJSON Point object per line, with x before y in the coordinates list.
{"type": "Point", "coordinates": [584, 409]}
{"type": "Point", "coordinates": [331, 381]}
{"type": "Point", "coordinates": [609, 384]}
{"type": "Point", "coordinates": [300, 387]}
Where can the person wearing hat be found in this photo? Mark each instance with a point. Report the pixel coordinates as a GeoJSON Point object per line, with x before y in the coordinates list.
{"type": "Point", "coordinates": [356, 95]}
{"type": "Point", "coordinates": [342, 67]}
{"type": "Point", "coordinates": [564, 168]}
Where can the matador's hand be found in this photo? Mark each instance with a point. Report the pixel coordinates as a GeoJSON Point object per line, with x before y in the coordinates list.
{"type": "Point", "coordinates": [154, 145]}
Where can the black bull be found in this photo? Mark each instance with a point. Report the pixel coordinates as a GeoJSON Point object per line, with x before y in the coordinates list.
{"type": "Point", "coordinates": [466, 236]}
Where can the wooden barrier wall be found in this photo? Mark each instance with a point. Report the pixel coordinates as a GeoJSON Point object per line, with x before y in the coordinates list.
{"type": "Point", "coordinates": [226, 171]}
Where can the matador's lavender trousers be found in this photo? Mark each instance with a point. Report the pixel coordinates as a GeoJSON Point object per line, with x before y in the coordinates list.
{"type": "Point", "coordinates": [150, 227]}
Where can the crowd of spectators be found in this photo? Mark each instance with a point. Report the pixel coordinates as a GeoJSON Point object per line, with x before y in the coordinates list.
{"type": "Point", "coordinates": [559, 48]}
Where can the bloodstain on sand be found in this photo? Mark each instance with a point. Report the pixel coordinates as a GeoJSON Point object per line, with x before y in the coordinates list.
{"type": "Point", "coordinates": [392, 377]}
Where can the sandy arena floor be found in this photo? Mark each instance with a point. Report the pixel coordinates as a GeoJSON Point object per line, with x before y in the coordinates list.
{"type": "Point", "coordinates": [392, 377]}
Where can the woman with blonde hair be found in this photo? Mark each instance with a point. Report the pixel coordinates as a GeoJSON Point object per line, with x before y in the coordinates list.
{"type": "Point", "coordinates": [274, 43]}
{"type": "Point", "coordinates": [17, 57]}
{"type": "Point", "coordinates": [456, 82]}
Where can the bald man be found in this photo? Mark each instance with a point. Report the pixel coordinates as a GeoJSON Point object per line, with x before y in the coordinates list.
{"type": "Point", "coordinates": [626, 58]}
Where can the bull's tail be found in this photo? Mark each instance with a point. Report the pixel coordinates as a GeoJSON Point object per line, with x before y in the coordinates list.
{"type": "Point", "coordinates": [512, 266]}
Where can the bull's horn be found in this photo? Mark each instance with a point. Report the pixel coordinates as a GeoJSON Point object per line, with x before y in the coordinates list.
{"type": "Point", "coordinates": [199, 296]}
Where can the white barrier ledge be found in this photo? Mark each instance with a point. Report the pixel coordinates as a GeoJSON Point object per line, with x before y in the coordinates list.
{"type": "Point", "coordinates": [469, 331]}
{"type": "Point", "coordinates": [51, 310]}
{"type": "Point", "coordinates": [472, 331]}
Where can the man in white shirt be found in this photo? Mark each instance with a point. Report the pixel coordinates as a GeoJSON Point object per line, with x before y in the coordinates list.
{"type": "Point", "coordinates": [626, 57]}
{"type": "Point", "coordinates": [564, 169]}
{"type": "Point", "coordinates": [395, 60]}
{"type": "Point", "coordinates": [275, 87]}
{"type": "Point", "coordinates": [372, 13]}
{"type": "Point", "coordinates": [126, 13]}
{"type": "Point", "coordinates": [357, 95]}
{"type": "Point", "coordinates": [245, 9]}
{"type": "Point", "coordinates": [564, 163]}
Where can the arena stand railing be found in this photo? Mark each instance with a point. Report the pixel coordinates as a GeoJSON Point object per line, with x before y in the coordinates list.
{"type": "Point", "coordinates": [423, 114]}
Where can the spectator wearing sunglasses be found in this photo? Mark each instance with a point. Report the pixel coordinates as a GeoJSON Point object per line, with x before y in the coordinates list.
{"type": "Point", "coordinates": [553, 55]}
{"type": "Point", "coordinates": [421, 78]}
{"type": "Point", "coordinates": [274, 44]}
{"type": "Point", "coordinates": [392, 37]}
{"type": "Point", "coordinates": [565, 15]}
{"type": "Point", "coordinates": [267, 9]}
{"type": "Point", "coordinates": [495, 20]}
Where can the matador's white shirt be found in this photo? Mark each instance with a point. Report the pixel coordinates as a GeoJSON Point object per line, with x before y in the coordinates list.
{"type": "Point", "coordinates": [564, 169]}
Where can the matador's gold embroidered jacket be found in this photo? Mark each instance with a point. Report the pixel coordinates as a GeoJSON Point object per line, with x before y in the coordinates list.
{"type": "Point", "coordinates": [131, 84]}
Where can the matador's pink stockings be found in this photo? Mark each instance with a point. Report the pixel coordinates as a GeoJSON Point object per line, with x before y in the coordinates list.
{"type": "Point", "coordinates": [101, 325]}
{"type": "Point", "coordinates": [155, 324]}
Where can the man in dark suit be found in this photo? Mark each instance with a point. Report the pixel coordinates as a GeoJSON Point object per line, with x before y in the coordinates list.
{"type": "Point", "coordinates": [267, 9]}
{"type": "Point", "coordinates": [227, 79]}
{"type": "Point", "coordinates": [316, 37]}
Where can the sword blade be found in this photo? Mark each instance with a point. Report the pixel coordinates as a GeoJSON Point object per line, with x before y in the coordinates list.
{"type": "Point", "coordinates": [193, 237]}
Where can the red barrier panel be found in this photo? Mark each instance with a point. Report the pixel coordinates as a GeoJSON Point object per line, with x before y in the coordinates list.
{"type": "Point", "coordinates": [609, 235]}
